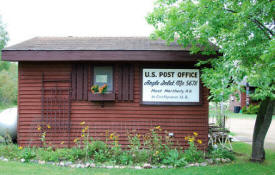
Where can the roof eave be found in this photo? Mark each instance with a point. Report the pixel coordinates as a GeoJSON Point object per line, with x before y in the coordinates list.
{"type": "Point", "coordinates": [101, 55]}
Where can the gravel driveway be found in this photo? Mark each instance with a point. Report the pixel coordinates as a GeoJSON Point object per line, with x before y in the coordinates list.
{"type": "Point", "coordinates": [243, 128]}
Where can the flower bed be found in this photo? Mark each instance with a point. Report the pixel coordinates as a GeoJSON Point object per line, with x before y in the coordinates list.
{"type": "Point", "coordinates": [151, 150]}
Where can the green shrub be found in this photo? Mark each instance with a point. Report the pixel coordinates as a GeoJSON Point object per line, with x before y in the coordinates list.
{"type": "Point", "coordinates": [156, 147]}
{"type": "Point", "coordinates": [101, 156]}
{"type": "Point", "coordinates": [192, 154]}
{"type": "Point", "coordinates": [10, 151]}
{"type": "Point", "coordinates": [77, 154]}
{"type": "Point", "coordinates": [96, 146]}
{"type": "Point", "coordinates": [156, 144]}
{"type": "Point", "coordinates": [47, 155]}
{"type": "Point", "coordinates": [221, 152]}
{"type": "Point", "coordinates": [175, 158]}
{"type": "Point", "coordinates": [244, 110]}
{"type": "Point", "coordinates": [27, 154]}
{"type": "Point", "coordinates": [125, 158]}
{"type": "Point", "coordinates": [66, 154]}
{"type": "Point", "coordinates": [251, 109]}
{"type": "Point", "coordinates": [8, 82]}
{"type": "Point", "coordinates": [141, 156]}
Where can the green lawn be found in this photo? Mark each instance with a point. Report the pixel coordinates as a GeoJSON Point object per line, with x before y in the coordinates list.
{"type": "Point", "coordinates": [236, 115]}
{"type": "Point", "coordinates": [240, 166]}
{"type": "Point", "coordinates": [240, 115]}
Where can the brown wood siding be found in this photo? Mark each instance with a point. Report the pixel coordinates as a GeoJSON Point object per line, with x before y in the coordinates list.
{"type": "Point", "coordinates": [74, 81]}
{"type": "Point", "coordinates": [80, 81]}
{"type": "Point", "coordinates": [125, 81]}
{"type": "Point", "coordinates": [118, 116]}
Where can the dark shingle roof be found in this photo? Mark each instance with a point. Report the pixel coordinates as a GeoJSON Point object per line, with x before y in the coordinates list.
{"type": "Point", "coordinates": [94, 43]}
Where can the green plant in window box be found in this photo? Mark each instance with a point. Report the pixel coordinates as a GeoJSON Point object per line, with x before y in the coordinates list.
{"type": "Point", "coordinates": [101, 90]}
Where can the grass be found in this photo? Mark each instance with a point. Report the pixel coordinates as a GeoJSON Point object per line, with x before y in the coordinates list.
{"type": "Point", "coordinates": [230, 114]}
{"type": "Point", "coordinates": [240, 166]}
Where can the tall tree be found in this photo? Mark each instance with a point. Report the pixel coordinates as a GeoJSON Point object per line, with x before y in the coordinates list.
{"type": "Point", "coordinates": [3, 41]}
{"type": "Point", "coordinates": [8, 73]}
{"type": "Point", "coordinates": [243, 30]}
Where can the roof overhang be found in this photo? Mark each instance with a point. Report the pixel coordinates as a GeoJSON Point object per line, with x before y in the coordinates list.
{"type": "Point", "coordinates": [104, 55]}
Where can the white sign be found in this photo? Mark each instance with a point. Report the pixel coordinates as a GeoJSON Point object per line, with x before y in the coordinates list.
{"type": "Point", "coordinates": [171, 85]}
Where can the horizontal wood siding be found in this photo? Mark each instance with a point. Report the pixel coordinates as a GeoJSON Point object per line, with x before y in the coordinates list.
{"type": "Point", "coordinates": [119, 117]}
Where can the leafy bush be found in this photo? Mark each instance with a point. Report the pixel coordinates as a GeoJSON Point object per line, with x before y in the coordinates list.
{"type": "Point", "coordinates": [28, 154]}
{"type": "Point", "coordinates": [125, 158]}
{"type": "Point", "coordinates": [48, 155]}
{"type": "Point", "coordinates": [175, 158]}
{"type": "Point", "coordinates": [101, 156]}
{"type": "Point", "coordinates": [192, 154]}
{"type": "Point", "coordinates": [77, 154]}
{"type": "Point", "coordinates": [51, 155]}
{"type": "Point", "coordinates": [136, 152]}
{"type": "Point", "coordinates": [9, 151]}
{"type": "Point", "coordinates": [156, 147]}
{"type": "Point", "coordinates": [221, 153]}
{"type": "Point", "coordinates": [251, 109]}
{"type": "Point", "coordinates": [141, 156]}
{"type": "Point", "coordinates": [8, 82]}
{"type": "Point", "coordinates": [66, 154]}
{"type": "Point", "coordinates": [96, 146]}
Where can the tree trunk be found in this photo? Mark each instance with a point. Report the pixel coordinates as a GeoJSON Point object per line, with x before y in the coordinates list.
{"type": "Point", "coordinates": [263, 121]}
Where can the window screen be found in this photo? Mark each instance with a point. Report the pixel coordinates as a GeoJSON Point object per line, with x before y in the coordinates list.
{"type": "Point", "coordinates": [104, 75]}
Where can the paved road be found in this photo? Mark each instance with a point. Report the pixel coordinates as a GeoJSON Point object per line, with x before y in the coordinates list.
{"type": "Point", "coordinates": [243, 128]}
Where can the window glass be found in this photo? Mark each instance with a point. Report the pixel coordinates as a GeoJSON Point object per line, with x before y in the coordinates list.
{"type": "Point", "coordinates": [104, 75]}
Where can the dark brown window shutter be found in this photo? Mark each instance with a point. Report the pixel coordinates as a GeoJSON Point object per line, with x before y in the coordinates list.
{"type": "Point", "coordinates": [80, 81]}
{"type": "Point", "coordinates": [126, 82]}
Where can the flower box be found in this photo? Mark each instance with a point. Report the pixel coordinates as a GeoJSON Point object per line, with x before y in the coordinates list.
{"type": "Point", "coordinates": [101, 97]}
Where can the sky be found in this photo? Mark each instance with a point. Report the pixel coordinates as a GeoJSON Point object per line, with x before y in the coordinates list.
{"type": "Point", "coordinates": [25, 19]}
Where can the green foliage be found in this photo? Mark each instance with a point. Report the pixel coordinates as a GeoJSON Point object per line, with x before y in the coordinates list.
{"type": "Point", "coordinates": [175, 158]}
{"type": "Point", "coordinates": [135, 150]}
{"type": "Point", "coordinates": [101, 156]}
{"type": "Point", "coordinates": [192, 154]}
{"type": "Point", "coordinates": [115, 151]}
{"type": "Point", "coordinates": [9, 151]}
{"type": "Point", "coordinates": [28, 154]}
{"type": "Point", "coordinates": [243, 31]}
{"type": "Point", "coordinates": [125, 159]}
{"type": "Point", "coordinates": [156, 149]}
{"type": "Point", "coordinates": [240, 167]}
{"type": "Point", "coordinates": [51, 155]}
{"type": "Point", "coordinates": [8, 74]}
{"type": "Point", "coordinates": [141, 156]}
{"type": "Point", "coordinates": [96, 146]}
{"type": "Point", "coordinates": [3, 40]}
{"type": "Point", "coordinates": [47, 155]}
{"type": "Point", "coordinates": [251, 109]}
{"type": "Point", "coordinates": [67, 154]}
{"type": "Point", "coordinates": [221, 153]}
{"type": "Point", "coordinates": [8, 85]}
{"type": "Point", "coordinates": [77, 154]}
{"type": "Point", "coordinates": [157, 145]}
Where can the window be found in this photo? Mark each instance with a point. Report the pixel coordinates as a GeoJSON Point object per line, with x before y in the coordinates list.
{"type": "Point", "coordinates": [100, 75]}
{"type": "Point", "coordinates": [103, 75]}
